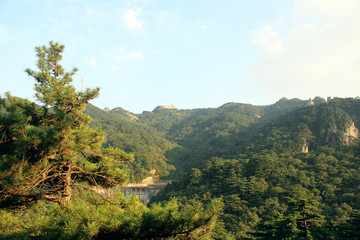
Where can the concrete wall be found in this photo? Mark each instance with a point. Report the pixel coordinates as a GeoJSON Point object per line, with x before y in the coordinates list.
{"type": "Point", "coordinates": [144, 191]}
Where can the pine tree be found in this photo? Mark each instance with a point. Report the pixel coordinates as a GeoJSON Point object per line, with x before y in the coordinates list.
{"type": "Point", "coordinates": [299, 223]}
{"type": "Point", "coordinates": [47, 150]}
{"type": "Point", "coordinates": [350, 229]}
{"type": "Point", "coordinates": [49, 155]}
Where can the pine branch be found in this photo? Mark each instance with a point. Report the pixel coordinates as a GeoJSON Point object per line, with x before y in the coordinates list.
{"type": "Point", "coordinates": [94, 191]}
{"type": "Point", "coordinates": [108, 180]}
{"type": "Point", "coordinates": [185, 233]}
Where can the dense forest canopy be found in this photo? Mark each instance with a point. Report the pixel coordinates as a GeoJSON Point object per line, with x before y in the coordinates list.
{"type": "Point", "coordinates": [168, 139]}
{"type": "Point", "coordinates": [265, 162]}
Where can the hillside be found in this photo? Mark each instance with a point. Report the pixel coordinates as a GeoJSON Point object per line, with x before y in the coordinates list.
{"type": "Point", "coordinates": [309, 154]}
{"type": "Point", "coordinates": [123, 131]}
{"type": "Point", "coordinates": [168, 138]}
{"type": "Point", "coordinates": [259, 159]}
{"type": "Point", "coordinates": [255, 157]}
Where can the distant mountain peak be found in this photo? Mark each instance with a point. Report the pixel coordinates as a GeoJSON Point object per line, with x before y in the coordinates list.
{"type": "Point", "coordinates": [172, 106]}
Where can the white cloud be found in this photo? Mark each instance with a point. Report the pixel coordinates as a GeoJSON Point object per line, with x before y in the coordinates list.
{"type": "Point", "coordinates": [92, 61]}
{"type": "Point", "coordinates": [131, 19]}
{"type": "Point", "coordinates": [264, 35]}
{"type": "Point", "coordinates": [317, 56]}
{"type": "Point", "coordinates": [328, 8]}
{"type": "Point", "coordinates": [268, 39]}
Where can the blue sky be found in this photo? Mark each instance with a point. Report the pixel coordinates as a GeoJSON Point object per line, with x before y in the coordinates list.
{"type": "Point", "coordinates": [195, 54]}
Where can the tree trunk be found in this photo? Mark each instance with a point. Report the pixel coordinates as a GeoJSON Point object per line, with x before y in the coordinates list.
{"type": "Point", "coordinates": [67, 184]}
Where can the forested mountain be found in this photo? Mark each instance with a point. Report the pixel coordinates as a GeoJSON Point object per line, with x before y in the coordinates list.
{"type": "Point", "coordinates": [298, 177]}
{"type": "Point", "coordinates": [287, 170]}
{"type": "Point", "coordinates": [123, 131]}
{"type": "Point", "coordinates": [165, 137]}
{"type": "Point", "coordinates": [290, 170]}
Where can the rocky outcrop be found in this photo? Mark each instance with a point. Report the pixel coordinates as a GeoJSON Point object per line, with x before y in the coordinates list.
{"type": "Point", "coordinates": [350, 134]}
{"type": "Point", "coordinates": [335, 136]}
{"type": "Point", "coordinates": [305, 147]}
{"type": "Point", "coordinates": [159, 108]}
{"type": "Point", "coordinates": [310, 102]}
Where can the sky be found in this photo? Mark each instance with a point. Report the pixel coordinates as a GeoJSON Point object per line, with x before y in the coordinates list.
{"type": "Point", "coordinates": [193, 54]}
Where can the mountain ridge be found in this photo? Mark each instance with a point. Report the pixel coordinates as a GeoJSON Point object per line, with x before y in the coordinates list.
{"type": "Point", "coordinates": [187, 138]}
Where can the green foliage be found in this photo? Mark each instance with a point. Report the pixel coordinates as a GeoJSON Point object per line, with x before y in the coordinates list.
{"type": "Point", "coordinates": [351, 229]}
{"type": "Point", "coordinates": [256, 156]}
{"type": "Point", "coordinates": [47, 150]}
{"type": "Point", "coordinates": [88, 217]}
{"type": "Point", "coordinates": [57, 182]}
{"type": "Point", "coordinates": [147, 146]}
{"type": "Point", "coordinates": [256, 188]}
{"type": "Point", "coordinates": [184, 139]}
{"type": "Point", "coordinates": [299, 222]}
